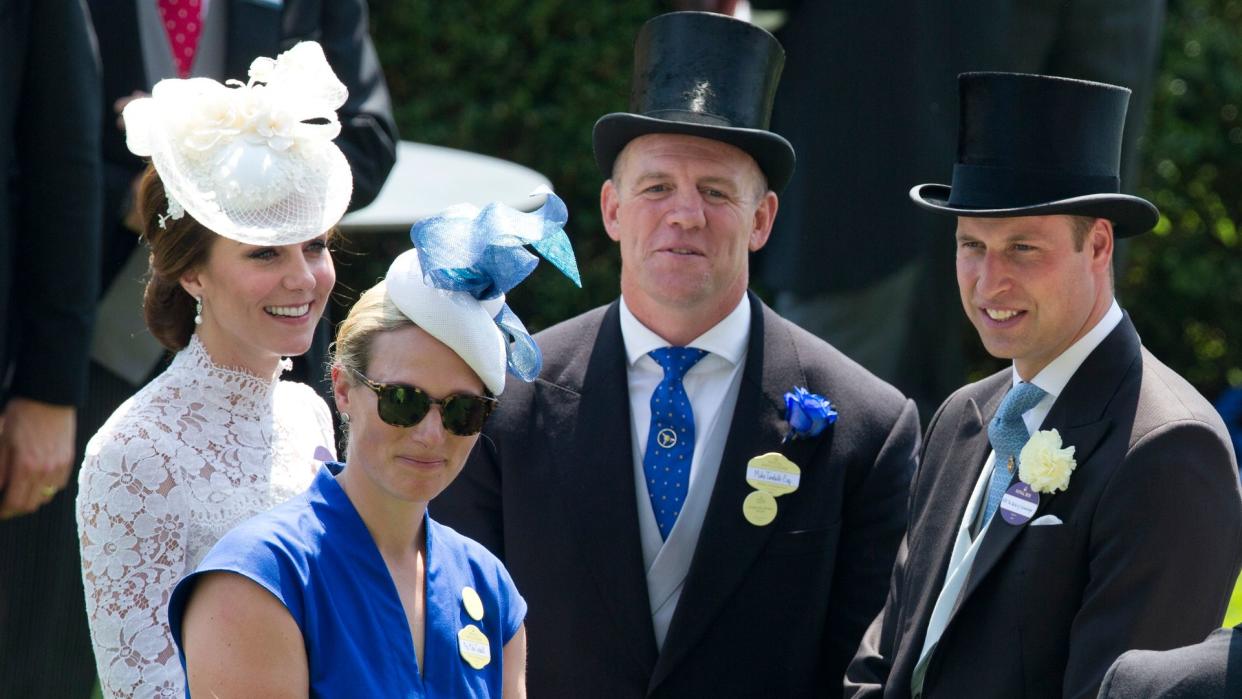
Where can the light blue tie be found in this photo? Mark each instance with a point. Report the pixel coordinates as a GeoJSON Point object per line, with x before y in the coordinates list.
{"type": "Point", "coordinates": [670, 439]}
{"type": "Point", "coordinates": [1008, 434]}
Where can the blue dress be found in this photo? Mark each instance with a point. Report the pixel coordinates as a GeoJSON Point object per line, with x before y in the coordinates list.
{"type": "Point", "coordinates": [339, 591]}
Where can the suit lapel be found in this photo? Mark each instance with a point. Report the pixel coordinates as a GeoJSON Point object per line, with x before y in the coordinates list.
{"type": "Point", "coordinates": [728, 545]}
{"type": "Point", "coordinates": [599, 477]}
{"type": "Point", "coordinates": [965, 462]}
{"type": "Point", "coordinates": [1080, 415]}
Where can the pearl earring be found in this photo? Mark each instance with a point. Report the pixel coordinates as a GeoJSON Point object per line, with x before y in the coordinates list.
{"type": "Point", "coordinates": [345, 418]}
{"type": "Point", "coordinates": [198, 310]}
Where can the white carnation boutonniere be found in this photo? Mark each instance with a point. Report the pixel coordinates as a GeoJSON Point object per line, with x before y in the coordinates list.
{"type": "Point", "coordinates": [1044, 464]}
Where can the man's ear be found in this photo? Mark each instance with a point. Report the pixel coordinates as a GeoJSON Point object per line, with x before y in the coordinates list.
{"type": "Point", "coordinates": [765, 216]}
{"type": "Point", "coordinates": [1100, 243]}
{"type": "Point", "coordinates": [610, 209]}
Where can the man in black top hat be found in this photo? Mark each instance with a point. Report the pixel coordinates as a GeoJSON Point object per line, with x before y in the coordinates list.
{"type": "Point", "coordinates": [1084, 501]}
{"type": "Point", "coordinates": [658, 557]}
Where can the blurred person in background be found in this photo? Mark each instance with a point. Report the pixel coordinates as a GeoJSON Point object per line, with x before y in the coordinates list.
{"type": "Point", "coordinates": [49, 248]}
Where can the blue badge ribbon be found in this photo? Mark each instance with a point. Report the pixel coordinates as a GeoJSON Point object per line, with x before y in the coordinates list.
{"type": "Point", "coordinates": [484, 255]}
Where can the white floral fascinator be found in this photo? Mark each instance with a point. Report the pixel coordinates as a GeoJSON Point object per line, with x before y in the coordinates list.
{"type": "Point", "coordinates": [253, 162]}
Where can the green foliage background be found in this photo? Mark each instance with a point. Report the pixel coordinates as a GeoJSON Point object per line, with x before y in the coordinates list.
{"type": "Point", "coordinates": [522, 80]}
{"type": "Point", "coordinates": [1183, 283]}
{"type": "Point", "coordinates": [525, 80]}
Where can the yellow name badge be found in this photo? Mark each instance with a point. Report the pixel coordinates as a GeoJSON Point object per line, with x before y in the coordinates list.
{"type": "Point", "coordinates": [474, 647]}
{"type": "Point", "coordinates": [759, 508]}
{"type": "Point", "coordinates": [771, 475]}
{"type": "Point", "coordinates": [473, 604]}
{"type": "Point", "coordinates": [774, 474]}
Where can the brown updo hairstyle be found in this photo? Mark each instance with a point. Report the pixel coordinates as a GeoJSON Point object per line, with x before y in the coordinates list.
{"type": "Point", "coordinates": [178, 247]}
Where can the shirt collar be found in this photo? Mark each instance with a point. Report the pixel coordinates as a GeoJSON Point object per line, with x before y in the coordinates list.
{"type": "Point", "coordinates": [1054, 377]}
{"type": "Point", "coordinates": [726, 339]}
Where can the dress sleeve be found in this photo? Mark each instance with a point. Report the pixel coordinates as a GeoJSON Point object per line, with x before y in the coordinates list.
{"type": "Point", "coordinates": [132, 526]}
{"type": "Point", "coordinates": [514, 604]}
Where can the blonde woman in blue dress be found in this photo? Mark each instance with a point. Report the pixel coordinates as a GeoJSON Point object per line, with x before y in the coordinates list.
{"type": "Point", "coordinates": [351, 589]}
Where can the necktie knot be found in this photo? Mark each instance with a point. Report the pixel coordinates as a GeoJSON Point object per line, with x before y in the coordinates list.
{"type": "Point", "coordinates": [1021, 398]}
{"type": "Point", "coordinates": [676, 361]}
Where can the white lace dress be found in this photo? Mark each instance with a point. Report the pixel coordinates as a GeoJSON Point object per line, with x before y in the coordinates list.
{"type": "Point", "coordinates": [195, 452]}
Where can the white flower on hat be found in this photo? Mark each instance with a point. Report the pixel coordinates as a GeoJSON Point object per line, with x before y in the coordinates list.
{"type": "Point", "coordinates": [241, 158]}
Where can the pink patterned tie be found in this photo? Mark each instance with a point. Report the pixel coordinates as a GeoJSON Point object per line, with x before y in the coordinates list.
{"type": "Point", "coordinates": [183, 24]}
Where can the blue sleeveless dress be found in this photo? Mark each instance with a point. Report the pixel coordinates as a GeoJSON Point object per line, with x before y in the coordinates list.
{"type": "Point", "coordinates": [315, 555]}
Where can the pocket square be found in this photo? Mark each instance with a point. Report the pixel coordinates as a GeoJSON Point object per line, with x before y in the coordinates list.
{"type": "Point", "coordinates": [1047, 521]}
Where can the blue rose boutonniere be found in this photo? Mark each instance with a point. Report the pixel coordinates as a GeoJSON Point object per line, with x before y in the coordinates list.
{"type": "Point", "coordinates": [807, 413]}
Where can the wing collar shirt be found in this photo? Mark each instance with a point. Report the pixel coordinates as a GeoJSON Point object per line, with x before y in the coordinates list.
{"type": "Point", "coordinates": [712, 386]}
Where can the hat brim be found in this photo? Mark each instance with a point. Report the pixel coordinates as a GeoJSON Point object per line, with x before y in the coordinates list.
{"type": "Point", "coordinates": [774, 155]}
{"type": "Point", "coordinates": [1130, 215]}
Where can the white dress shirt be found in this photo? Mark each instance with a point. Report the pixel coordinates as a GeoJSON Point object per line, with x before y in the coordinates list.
{"type": "Point", "coordinates": [1052, 379]}
{"type": "Point", "coordinates": [712, 386]}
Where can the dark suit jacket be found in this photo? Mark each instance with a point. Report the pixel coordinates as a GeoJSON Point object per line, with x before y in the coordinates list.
{"type": "Point", "coordinates": [771, 611]}
{"type": "Point", "coordinates": [1147, 554]}
{"type": "Point", "coordinates": [49, 199]}
{"type": "Point", "coordinates": [1208, 670]}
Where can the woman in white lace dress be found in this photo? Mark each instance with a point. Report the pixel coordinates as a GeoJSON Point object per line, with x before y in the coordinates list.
{"type": "Point", "coordinates": [237, 210]}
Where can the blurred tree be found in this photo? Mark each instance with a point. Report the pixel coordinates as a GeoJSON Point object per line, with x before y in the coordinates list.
{"type": "Point", "coordinates": [522, 80]}
{"type": "Point", "coordinates": [1183, 282]}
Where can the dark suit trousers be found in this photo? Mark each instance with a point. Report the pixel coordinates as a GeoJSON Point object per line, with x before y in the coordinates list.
{"type": "Point", "coordinates": [45, 647]}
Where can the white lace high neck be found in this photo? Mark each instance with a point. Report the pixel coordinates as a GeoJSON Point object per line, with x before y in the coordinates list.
{"type": "Point", "coordinates": [196, 451]}
{"type": "Point", "coordinates": [195, 363]}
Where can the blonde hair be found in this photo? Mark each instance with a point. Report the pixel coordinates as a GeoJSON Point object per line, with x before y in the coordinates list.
{"type": "Point", "coordinates": [373, 314]}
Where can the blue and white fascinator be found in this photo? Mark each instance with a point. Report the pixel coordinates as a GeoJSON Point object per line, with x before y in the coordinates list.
{"type": "Point", "coordinates": [453, 283]}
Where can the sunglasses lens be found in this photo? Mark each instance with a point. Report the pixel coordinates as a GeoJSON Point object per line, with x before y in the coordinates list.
{"type": "Point", "coordinates": [403, 406]}
{"type": "Point", "coordinates": [465, 415]}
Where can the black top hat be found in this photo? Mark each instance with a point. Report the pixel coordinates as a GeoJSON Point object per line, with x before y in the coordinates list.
{"type": "Point", "coordinates": [1033, 145]}
{"type": "Point", "coordinates": [702, 74]}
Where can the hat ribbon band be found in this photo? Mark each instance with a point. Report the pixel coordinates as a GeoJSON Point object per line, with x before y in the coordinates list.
{"type": "Point", "coordinates": [992, 187]}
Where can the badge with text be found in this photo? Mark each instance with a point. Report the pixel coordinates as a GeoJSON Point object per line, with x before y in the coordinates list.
{"type": "Point", "coordinates": [771, 475]}
{"type": "Point", "coordinates": [1019, 503]}
{"type": "Point", "coordinates": [474, 647]}
{"type": "Point", "coordinates": [759, 508]}
{"type": "Point", "coordinates": [470, 600]}
{"type": "Point", "coordinates": [774, 474]}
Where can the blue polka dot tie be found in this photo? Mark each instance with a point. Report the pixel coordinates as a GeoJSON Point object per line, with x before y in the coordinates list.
{"type": "Point", "coordinates": [1008, 434]}
{"type": "Point", "coordinates": [670, 439]}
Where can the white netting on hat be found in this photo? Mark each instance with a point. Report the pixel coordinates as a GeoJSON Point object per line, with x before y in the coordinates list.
{"type": "Point", "coordinates": [242, 159]}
